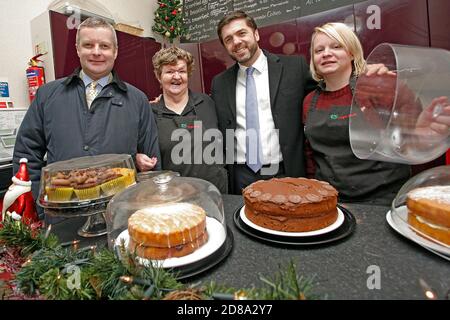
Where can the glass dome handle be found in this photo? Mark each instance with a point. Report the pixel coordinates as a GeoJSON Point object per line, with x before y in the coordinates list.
{"type": "Point", "coordinates": [165, 178]}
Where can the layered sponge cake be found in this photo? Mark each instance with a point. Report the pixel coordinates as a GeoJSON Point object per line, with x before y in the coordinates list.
{"type": "Point", "coordinates": [429, 212]}
{"type": "Point", "coordinates": [167, 231]}
{"type": "Point", "coordinates": [291, 204]}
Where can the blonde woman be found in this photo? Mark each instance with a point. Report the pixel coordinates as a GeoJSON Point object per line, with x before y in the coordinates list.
{"type": "Point", "coordinates": [336, 61]}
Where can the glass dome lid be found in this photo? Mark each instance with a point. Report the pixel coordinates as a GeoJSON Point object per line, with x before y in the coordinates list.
{"type": "Point", "coordinates": [421, 210]}
{"type": "Point", "coordinates": [169, 220]}
{"type": "Point", "coordinates": [84, 181]}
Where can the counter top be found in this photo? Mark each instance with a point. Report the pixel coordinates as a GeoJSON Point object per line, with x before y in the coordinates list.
{"type": "Point", "coordinates": [341, 269]}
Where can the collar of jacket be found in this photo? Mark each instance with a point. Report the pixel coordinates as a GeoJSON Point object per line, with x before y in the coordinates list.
{"type": "Point", "coordinates": [195, 99]}
{"type": "Point", "coordinates": [270, 58]}
{"type": "Point", "coordinates": [75, 76]}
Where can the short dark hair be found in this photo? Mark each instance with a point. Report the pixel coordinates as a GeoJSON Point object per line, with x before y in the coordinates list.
{"type": "Point", "coordinates": [234, 16]}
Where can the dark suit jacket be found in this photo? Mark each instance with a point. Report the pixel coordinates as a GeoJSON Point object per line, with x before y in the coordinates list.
{"type": "Point", "coordinates": [289, 82]}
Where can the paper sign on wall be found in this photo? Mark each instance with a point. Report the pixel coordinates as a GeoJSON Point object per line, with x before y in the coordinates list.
{"type": "Point", "coordinates": [4, 89]}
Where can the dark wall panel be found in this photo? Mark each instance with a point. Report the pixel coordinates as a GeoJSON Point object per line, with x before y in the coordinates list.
{"type": "Point", "coordinates": [152, 85]}
{"type": "Point", "coordinates": [65, 56]}
{"type": "Point", "coordinates": [133, 63]}
{"type": "Point", "coordinates": [402, 22]}
{"type": "Point", "coordinates": [306, 25]}
{"type": "Point", "coordinates": [439, 13]}
{"type": "Point", "coordinates": [280, 38]}
{"type": "Point", "coordinates": [196, 79]}
{"type": "Point", "coordinates": [215, 59]}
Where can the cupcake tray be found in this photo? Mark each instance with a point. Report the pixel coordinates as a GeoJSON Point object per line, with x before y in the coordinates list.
{"type": "Point", "coordinates": [72, 206]}
{"type": "Point", "coordinates": [81, 211]}
{"type": "Point", "coordinates": [71, 197]}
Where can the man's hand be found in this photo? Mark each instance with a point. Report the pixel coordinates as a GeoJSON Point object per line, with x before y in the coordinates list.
{"type": "Point", "coordinates": [156, 99]}
{"type": "Point", "coordinates": [144, 162]}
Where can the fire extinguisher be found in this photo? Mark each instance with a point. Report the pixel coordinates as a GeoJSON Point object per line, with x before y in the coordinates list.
{"type": "Point", "coordinates": [35, 76]}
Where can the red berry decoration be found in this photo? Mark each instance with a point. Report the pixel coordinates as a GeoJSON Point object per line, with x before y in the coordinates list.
{"type": "Point", "coordinates": [174, 12]}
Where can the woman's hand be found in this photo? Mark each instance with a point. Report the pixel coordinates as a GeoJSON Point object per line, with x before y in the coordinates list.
{"type": "Point", "coordinates": [434, 121]}
{"type": "Point", "coordinates": [378, 69]}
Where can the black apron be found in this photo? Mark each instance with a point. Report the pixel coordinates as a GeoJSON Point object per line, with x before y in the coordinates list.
{"type": "Point", "coordinates": [167, 123]}
{"type": "Point", "coordinates": [356, 180]}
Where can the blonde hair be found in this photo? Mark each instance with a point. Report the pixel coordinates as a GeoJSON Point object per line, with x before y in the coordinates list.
{"type": "Point", "coordinates": [347, 39]}
{"type": "Point", "coordinates": [170, 56]}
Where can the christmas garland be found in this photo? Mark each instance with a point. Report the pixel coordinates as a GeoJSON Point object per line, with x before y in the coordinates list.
{"type": "Point", "coordinates": [42, 268]}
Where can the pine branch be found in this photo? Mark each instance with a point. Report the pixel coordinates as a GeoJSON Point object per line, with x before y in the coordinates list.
{"type": "Point", "coordinates": [50, 271]}
{"type": "Point", "coordinates": [15, 233]}
{"type": "Point", "coordinates": [41, 261]}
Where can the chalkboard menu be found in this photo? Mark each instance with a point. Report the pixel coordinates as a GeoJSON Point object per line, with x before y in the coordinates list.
{"type": "Point", "coordinates": [309, 7]}
{"type": "Point", "coordinates": [202, 16]}
{"type": "Point", "coordinates": [267, 12]}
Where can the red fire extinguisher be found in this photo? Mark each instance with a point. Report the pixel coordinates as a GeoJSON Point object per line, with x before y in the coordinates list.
{"type": "Point", "coordinates": [35, 76]}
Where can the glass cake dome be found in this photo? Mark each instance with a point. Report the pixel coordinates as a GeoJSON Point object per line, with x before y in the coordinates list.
{"type": "Point", "coordinates": [84, 181]}
{"type": "Point", "coordinates": [421, 210]}
{"type": "Point", "coordinates": [170, 221]}
{"type": "Point", "coordinates": [402, 116]}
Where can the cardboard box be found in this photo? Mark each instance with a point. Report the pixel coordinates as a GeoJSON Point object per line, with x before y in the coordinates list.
{"type": "Point", "coordinates": [129, 29]}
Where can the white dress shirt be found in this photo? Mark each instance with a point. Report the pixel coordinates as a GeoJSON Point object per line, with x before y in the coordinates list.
{"type": "Point", "coordinates": [102, 82]}
{"type": "Point", "coordinates": [269, 137]}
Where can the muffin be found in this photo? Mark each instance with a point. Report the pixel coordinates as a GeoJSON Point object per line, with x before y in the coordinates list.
{"type": "Point", "coordinates": [59, 189]}
{"type": "Point", "coordinates": [112, 182]}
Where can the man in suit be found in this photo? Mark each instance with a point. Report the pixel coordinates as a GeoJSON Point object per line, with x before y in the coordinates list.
{"type": "Point", "coordinates": [281, 82]}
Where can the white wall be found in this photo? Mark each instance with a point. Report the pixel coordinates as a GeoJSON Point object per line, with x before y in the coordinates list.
{"type": "Point", "coordinates": [15, 35]}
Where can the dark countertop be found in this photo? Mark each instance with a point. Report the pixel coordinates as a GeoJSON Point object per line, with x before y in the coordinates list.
{"type": "Point", "coordinates": [340, 268]}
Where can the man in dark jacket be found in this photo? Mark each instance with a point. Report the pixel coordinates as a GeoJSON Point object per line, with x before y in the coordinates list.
{"type": "Point", "coordinates": [280, 83]}
{"type": "Point", "coordinates": [91, 112]}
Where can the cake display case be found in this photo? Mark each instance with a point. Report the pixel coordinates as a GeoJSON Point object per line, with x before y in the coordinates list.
{"type": "Point", "coordinates": [421, 210]}
{"type": "Point", "coordinates": [402, 116]}
{"type": "Point", "coordinates": [148, 175]}
{"type": "Point", "coordinates": [83, 187]}
{"type": "Point", "coordinates": [169, 221]}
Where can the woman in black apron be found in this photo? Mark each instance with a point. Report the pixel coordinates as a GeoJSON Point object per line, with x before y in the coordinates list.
{"type": "Point", "coordinates": [182, 117]}
{"type": "Point", "coordinates": [336, 61]}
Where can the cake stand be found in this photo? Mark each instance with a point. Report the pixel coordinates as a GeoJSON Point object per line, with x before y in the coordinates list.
{"type": "Point", "coordinates": [94, 210]}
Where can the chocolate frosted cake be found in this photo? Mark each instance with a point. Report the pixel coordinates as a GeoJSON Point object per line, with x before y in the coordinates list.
{"type": "Point", "coordinates": [291, 204]}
